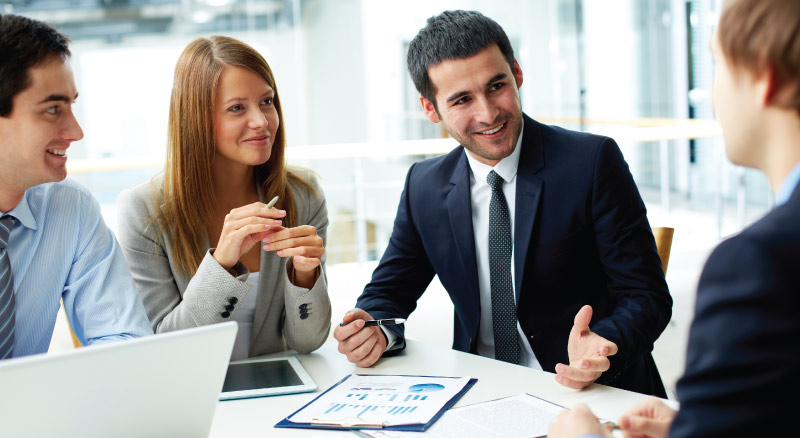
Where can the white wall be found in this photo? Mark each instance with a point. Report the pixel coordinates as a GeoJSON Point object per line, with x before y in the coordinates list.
{"type": "Point", "coordinates": [334, 63]}
{"type": "Point", "coordinates": [125, 90]}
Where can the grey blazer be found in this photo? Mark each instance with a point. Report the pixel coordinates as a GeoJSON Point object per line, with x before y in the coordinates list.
{"type": "Point", "coordinates": [286, 316]}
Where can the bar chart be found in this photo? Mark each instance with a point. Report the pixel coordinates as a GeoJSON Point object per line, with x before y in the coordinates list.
{"type": "Point", "coordinates": [383, 399]}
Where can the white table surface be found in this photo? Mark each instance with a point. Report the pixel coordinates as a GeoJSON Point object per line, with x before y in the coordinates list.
{"type": "Point", "coordinates": [257, 417]}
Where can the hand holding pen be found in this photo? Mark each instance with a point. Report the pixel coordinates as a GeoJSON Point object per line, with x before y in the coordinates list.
{"type": "Point", "coordinates": [360, 337]}
{"type": "Point", "coordinates": [377, 322]}
{"type": "Point", "coordinates": [244, 227]}
{"type": "Point", "coordinates": [304, 246]}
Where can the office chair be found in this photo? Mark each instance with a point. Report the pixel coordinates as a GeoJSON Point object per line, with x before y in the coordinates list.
{"type": "Point", "coordinates": [75, 342]}
{"type": "Point", "coordinates": [663, 236]}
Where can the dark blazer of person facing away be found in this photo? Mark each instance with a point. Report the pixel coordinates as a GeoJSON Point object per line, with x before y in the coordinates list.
{"type": "Point", "coordinates": [744, 357]}
{"type": "Point", "coordinates": [581, 237]}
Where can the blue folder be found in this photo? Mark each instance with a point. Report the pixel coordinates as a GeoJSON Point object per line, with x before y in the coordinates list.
{"type": "Point", "coordinates": [419, 427]}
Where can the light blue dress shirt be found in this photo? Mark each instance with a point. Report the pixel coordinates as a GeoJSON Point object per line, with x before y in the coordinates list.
{"type": "Point", "coordinates": [60, 248]}
{"type": "Point", "coordinates": [788, 186]}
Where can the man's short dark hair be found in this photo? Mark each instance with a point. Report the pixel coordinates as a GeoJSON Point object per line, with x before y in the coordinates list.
{"type": "Point", "coordinates": [24, 44]}
{"type": "Point", "coordinates": [452, 35]}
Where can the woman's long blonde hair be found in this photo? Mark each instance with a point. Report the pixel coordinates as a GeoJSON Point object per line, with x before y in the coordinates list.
{"type": "Point", "coordinates": [189, 195]}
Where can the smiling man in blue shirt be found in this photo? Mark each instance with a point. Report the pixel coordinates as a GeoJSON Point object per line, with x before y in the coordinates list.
{"type": "Point", "coordinates": [54, 244]}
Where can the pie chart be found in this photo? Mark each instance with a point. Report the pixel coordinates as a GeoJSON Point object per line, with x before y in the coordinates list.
{"type": "Point", "coordinates": [426, 387]}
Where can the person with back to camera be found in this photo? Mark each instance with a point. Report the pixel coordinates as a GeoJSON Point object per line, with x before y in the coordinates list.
{"type": "Point", "coordinates": [203, 244]}
{"type": "Point", "coordinates": [742, 359]}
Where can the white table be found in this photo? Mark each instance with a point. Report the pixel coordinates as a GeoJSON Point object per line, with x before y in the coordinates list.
{"type": "Point", "coordinates": [256, 417]}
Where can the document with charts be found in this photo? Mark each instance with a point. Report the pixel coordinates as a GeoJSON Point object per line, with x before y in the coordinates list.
{"type": "Point", "coordinates": [521, 416]}
{"type": "Point", "coordinates": [382, 399]}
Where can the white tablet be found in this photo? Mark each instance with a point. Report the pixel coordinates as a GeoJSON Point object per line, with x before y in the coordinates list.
{"type": "Point", "coordinates": [265, 377]}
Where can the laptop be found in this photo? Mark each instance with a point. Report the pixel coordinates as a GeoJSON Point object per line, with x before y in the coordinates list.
{"type": "Point", "coordinates": [167, 385]}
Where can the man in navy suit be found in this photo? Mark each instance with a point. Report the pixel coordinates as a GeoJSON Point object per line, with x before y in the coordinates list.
{"type": "Point", "coordinates": [536, 232]}
{"type": "Point", "coordinates": [743, 357]}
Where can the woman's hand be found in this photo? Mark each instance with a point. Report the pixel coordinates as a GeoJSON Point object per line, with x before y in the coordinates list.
{"type": "Point", "coordinates": [243, 228]}
{"type": "Point", "coordinates": [305, 248]}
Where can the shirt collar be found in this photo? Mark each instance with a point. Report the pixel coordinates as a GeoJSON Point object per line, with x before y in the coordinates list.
{"type": "Point", "coordinates": [506, 168]}
{"type": "Point", "coordinates": [22, 212]}
{"type": "Point", "coordinates": [788, 186]}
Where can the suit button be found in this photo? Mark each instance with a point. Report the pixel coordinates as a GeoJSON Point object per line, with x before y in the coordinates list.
{"type": "Point", "coordinates": [303, 306]}
{"type": "Point", "coordinates": [225, 314]}
{"type": "Point", "coordinates": [303, 315]}
{"type": "Point", "coordinates": [229, 307]}
{"type": "Point", "coordinates": [233, 300]}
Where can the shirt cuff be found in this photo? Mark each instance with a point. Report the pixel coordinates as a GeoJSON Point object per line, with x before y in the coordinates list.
{"type": "Point", "coordinates": [299, 290]}
{"type": "Point", "coordinates": [238, 271]}
{"type": "Point", "coordinates": [391, 339]}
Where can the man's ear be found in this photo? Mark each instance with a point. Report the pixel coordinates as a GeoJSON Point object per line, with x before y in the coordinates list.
{"type": "Point", "coordinates": [770, 92]}
{"type": "Point", "coordinates": [429, 110]}
{"type": "Point", "coordinates": [764, 84]}
{"type": "Point", "coordinates": [517, 73]}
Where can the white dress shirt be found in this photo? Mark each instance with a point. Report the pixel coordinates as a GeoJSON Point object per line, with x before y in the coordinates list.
{"type": "Point", "coordinates": [480, 196]}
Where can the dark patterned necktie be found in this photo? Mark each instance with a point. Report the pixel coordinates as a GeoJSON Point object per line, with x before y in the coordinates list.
{"type": "Point", "coordinates": [6, 292]}
{"type": "Point", "coordinates": [504, 312]}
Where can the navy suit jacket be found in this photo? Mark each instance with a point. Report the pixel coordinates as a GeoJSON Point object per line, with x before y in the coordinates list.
{"type": "Point", "coordinates": [744, 356]}
{"type": "Point", "coordinates": [581, 237]}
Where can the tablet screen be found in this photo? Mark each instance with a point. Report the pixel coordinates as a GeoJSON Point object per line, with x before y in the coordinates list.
{"type": "Point", "coordinates": [254, 375]}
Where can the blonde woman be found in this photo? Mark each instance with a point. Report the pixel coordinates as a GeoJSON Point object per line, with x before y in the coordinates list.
{"type": "Point", "coordinates": [201, 242]}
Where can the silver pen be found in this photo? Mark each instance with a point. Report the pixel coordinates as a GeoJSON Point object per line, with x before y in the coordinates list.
{"type": "Point", "coordinates": [376, 322]}
{"type": "Point", "coordinates": [272, 203]}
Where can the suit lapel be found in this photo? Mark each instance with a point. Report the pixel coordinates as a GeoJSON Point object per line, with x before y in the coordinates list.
{"type": "Point", "coordinates": [459, 209]}
{"type": "Point", "coordinates": [529, 190]}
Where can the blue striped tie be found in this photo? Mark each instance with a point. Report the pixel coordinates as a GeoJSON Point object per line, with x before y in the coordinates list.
{"type": "Point", "coordinates": [6, 292]}
{"type": "Point", "coordinates": [504, 311]}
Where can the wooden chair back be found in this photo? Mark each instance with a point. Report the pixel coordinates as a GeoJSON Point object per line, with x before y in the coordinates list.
{"type": "Point", "coordinates": [75, 342]}
{"type": "Point", "coordinates": [663, 236]}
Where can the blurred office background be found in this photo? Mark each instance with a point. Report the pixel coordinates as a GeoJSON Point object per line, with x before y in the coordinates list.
{"type": "Point", "coordinates": [638, 70]}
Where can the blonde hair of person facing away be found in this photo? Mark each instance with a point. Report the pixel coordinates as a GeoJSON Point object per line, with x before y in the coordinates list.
{"type": "Point", "coordinates": [200, 235]}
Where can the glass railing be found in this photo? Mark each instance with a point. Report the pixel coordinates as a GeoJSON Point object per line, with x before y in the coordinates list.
{"type": "Point", "coordinates": [363, 181]}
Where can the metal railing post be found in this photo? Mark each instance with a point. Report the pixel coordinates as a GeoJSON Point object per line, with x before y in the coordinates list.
{"type": "Point", "coordinates": [663, 162]}
{"type": "Point", "coordinates": [360, 213]}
